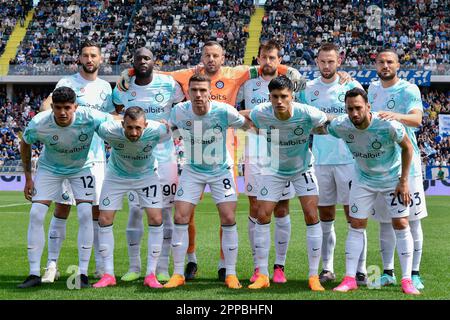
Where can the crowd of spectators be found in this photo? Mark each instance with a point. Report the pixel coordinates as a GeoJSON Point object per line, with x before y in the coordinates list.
{"type": "Point", "coordinates": [434, 148]}
{"type": "Point", "coordinates": [59, 27]}
{"type": "Point", "coordinates": [14, 116]}
{"type": "Point", "coordinates": [176, 30]}
{"type": "Point", "coordinates": [417, 29]}
{"type": "Point", "coordinates": [11, 12]}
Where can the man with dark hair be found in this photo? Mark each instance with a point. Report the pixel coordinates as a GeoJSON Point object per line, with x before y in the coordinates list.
{"type": "Point", "coordinates": [333, 163]}
{"type": "Point", "coordinates": [225, 84]}
{"type": "Point", "coordinates": [93, 92]}
{"type": "Point", "coordinates": [285, 127]}
{"type": "Point", "coordinates": [155, 93]}
{"type": "Point", "coordinates": [397, 99]}
{"type": "Point", "coordinates": [203, 125]}
{"type": "Point", "coordinates": [66, 132]}
{"type": "Point", "coordinates": [381, 169]}
{"type": "Point", "coordinates": [132, 167]}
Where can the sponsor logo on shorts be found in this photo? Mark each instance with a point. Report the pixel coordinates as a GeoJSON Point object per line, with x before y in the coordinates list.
{"type": "Point", "coordinates": [264, 191]}
{"type": "Point", "coordinates": [106, 202]}
{"type": "Point", "coordinates": [131, 197]}
{"type": "Point", "coordinates": [180, 192]}
{"type": "Point", "coordinates": [65, 196]}
{"type": "Point", "coordinates": [354, 208]}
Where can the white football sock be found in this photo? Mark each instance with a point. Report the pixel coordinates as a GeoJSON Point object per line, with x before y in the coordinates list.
{"type": "Point", "coordinates": [251, 225]}
{"type": "Point", "coordinates": [56, 236]}
{"type": "Point", "coordinates": [135, 230]}
{"type": "Point", "coordinates": [362, 258]}
{"type": "Point", "coordinates": [155, 240]}
{"type": "Point", "coordinates": [163, 262]}
{"type": "Point", "coordinates": [314, 243]}
{"type": "Point", "coordinates": [328, 245]}
{"type": "Point", "coordinates": [282, 237]}
{"type": "Point", "coordinates": [230, 248]}
{"type": "Point", "coordinates": [85, 236]}
{"type": "Point", "coordinates": [417, 234]}
{"type": "Point", "coordinates": [106, 248]}
{"type": "Point", "coordinates": [192, 257]}
{"type": "Point", "coordinates": [180, 244]}
{"type": "Point", "coordinates": [353, 249]}
{"type": "Point", "coordinates": [262, 247]}
{"type": "Point", "coordinates": [36, 237]}
{"type": "Point", "coordinates": [387, 245]}
{"type": "Point", "coordinates": [97, 255]}
{"type": "Point", "coordinates": [405, 248]}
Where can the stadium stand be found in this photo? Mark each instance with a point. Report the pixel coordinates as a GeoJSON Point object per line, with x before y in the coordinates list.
{"type": "Point", "coordinates": [420, 37]}
{"type": "Point", "coordinates": [176, 30]}
{"type": "Point", "coordinates": [11, 12]}
{"type": "Point", "coordinates": [58, 28]}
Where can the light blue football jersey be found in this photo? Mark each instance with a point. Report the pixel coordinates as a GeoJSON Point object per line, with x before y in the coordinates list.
{"type": "Point", "coordinates": [205, 136]}
{"type": "Point", "coordinates": [157, 99]}
{"type": "Point", "coordinates": [254, 92]}
{"type": "Point", "coordinates": [402, 97]}
{"type": "Point", "coordinates": [329, 98]}
{"type": "Point", "coordinates": [66, 148]}
{"type": "Point", "coordinates": [287, 141]}
{"type": "Point", "coordinates": [95, 94]}
{"type": "Point", "coordinates": [378, 158]}
{"type": "Point", "coordinates": [132, 160]}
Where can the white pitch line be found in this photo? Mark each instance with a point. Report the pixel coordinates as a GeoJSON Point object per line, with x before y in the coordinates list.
{"type": "Point", "coordinates": [14, 205]}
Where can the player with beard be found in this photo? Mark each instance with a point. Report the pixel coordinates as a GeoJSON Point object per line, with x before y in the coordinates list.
{"type": "Point", "coordinates": [397, 99]}
{"type": "Point", "coordinates": [92, 92]}
{"type": "Point", "coordinates": [334, 164]}
{"type": "Point", "coordinates": [155, 93]}
{"type": "Point", "coordinates": [252, 93]}
{"type": "Point", "coordinates": [225, 84]}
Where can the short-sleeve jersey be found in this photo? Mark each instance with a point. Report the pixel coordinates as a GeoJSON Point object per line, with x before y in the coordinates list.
{"type": "Point", "coordinates": [378, 159]}
{"type": "Point", "coordinates": [402, 97]}
{"type": "Point", "coordinates": [66, 148]}
{"type": "Point", "coordinates": [205, 136]}
{"type": "Point", "coordinates": [287, 141]}
{"type": "Point", "coordinates": [132, 159]}
{"type": "Point", "coordinates": [329, 98]}
{"type": "Point", "coordinates": [157, 99]}
{"type": "Point", "coordinates": [95, 94]}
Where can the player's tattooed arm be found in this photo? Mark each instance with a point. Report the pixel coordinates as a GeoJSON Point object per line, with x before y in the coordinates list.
{"type": "Point", "coordinates": [412, 119]}
{"type": "Point", "coordinates": [402, 188]}
{"type": "Point", "coordinates": [323, 129]}
{"type": "Point", "coordinates": [25, 153]}
{"type": "Point", "coordinates": [249, 125]}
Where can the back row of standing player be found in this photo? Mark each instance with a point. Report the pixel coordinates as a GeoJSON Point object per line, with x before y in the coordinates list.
{"type": "Point", "coordinates": [333, 167]}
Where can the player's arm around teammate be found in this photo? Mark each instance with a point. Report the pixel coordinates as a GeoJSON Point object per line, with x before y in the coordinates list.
{"type": "Point", "coordinates": [131, 168]}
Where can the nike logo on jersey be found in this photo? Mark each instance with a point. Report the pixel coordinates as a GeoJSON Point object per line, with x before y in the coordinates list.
{"type": "Point", "coordinates": [87, 248]}
{"type": "Point", "coordinates": [417, 213]}
{"type": "Point", "coordinates": [310, 189]}
{"type": "Point", "coordinates": [102, 250]}
{"type": "Point", "coordinates": [80, 96]}
{"type": "Point", "coordinates": [156, 252]}
{"type": "Point", "coordinates": [349, 141]}
{"type": "Point", "coordinates": [312, 100]}
{"type": "Point", "coordinates": [54, 144]}
{"type": "Point", "coordinates": [284, 242]}
{"type": "Point", "coordinates": [155, 202]}
{"type": "Point", "coordinates": [400, 211]}
{"type": "Point", "coordinates": [133, 244]}
{"type": "Point", "coordinates": [53, 238]}
{"type": "Point", "coordinates": [284, 194]}
{"type": "Point", "coordinates": [255, 89]}
{"type": "Point", "coordinates": [232, 249]}
{"type": "Point", "coordinates": [129, 100]}
{"type": "Point", "coordinates": [229, 195]}
{"type": "Point", "coordinates": [405, 253]}
{"type": "Point", "coordinates": [315, 249]}
{"type": "Point", "coordinates": [88, 194]}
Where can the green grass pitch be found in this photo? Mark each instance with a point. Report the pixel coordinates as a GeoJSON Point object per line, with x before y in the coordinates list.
{"type": "Point", "coordinates": [14, 266]}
